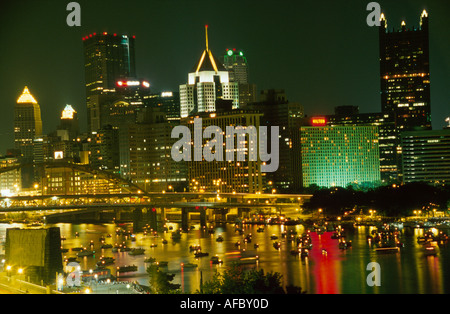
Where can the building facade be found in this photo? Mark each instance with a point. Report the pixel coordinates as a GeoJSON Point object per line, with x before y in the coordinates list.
{"type": "Point", "coordinates": [340, 156]}
{"type": "Point", "coordinates": [240, 176]}
{"type": "Point", "coordinates": [426, 156]}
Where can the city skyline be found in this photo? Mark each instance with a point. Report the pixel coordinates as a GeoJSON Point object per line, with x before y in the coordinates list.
{"type": "Point", "coordinates": [54, 71]}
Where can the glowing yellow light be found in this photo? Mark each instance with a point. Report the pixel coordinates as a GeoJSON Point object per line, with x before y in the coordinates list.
{"type": "Point", "coordinates": [68, 112]}
{"type": "Point", "coordinates": [26, 97]}
{"type": "Point", "coordinates": [424, 13]}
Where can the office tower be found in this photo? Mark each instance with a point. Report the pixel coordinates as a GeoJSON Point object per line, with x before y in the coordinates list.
{"type": "Point", "coordinates": [236, 63]}
{"type": "Point", "coordinates": [103, 146]}
{"type": "Point", "coordinates": [243, 176]}
{"type": "Point", "coordinates": [107, 58]}
{"type": "Point", "coordinates": [278, 111]}
{"type": "Point", "coordinates": [123, 106]}
{"type": "Point", "coordinates": [405, 74]}
{"type": "Point", "coordinates": [145, 153]}
{"type": "Point", "coordinates": [426, 156]}
{"type": "Point", "coordinates": [168, 102]}
{"type": "Point", "coordinates": [208, 81]}
{"type": "Point", "coordinates": [405, 78]}
{"type": "Point", "coordinates": [27, 127]}
{"type": "Point", "coordinates": [69, 127]}
{"type": "Point", "coordinates": [350, 115]}
{"type": "Point", "coordinates": [339, 155]}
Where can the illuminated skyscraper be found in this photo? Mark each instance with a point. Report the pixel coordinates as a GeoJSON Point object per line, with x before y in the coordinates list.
{"type": "Point", "coordinates": [208, 81]}
{"type": "Point", "coordinates": [27, 127]}
{"type": "Point", "coordinates": [405, 74]}
{"type": "Point", "coordinates": [405, 79]}
{"type": "Point", "coordinates": [339, 155]}
{"type": "Point", "coordinates": [107, 58]}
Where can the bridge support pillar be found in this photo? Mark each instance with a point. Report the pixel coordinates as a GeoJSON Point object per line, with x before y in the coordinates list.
{"type": "Point", "coordinates": [138, 222]}
{"type": "Point", "coordinates": [117, 214]}
{"type": "Point", "coordinates": [203, 217]}
{"type": "Point", "coordinates": [185, 219]}
{"type": "Point", "coordinates": [151, 218]}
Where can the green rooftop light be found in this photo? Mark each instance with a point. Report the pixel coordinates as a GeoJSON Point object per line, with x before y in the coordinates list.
{"type": "Point", "coordinates": [230, 52]}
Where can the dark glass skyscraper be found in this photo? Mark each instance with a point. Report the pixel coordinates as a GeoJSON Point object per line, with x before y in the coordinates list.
{"type": "Point", "coordinates": [405, 74]}
{"type": "Point", "coordinates": [108, 57]}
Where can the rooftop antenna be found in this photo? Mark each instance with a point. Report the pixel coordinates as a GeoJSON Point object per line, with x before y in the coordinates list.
{"type": "Point", "coordinates": [206, 33]}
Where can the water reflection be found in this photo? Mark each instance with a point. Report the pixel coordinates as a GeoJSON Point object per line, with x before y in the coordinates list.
{"type": "Point", "coordinates": [328, 269]}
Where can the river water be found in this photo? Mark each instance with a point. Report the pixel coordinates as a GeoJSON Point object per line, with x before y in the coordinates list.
{"type": "Point", "coordinates": [336, 271]}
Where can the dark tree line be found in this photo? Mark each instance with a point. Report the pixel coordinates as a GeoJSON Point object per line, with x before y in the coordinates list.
{"type": "Point", "coordinates": [392, 201]}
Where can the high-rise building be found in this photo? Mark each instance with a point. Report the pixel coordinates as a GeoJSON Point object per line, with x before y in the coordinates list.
{"type": "Point", "coordinates": [405, 78]}
{"type": "Point", "coordinates": [69, 124]}
{"type": "Point", "coordinates": [208, 81]}
{"type": "Point", "coordinates": [426, 156]}
{"type": "Point", "coordinates": [168, 102]}
{"type": "Point", "coordinates": [278, 111]}
{"type": "Point", "coordinates": [145, 153]}
{"type": "Point", "coordinates": [339, 155]}
{"type": "Point", "coordinates": [27, 127]}
{"type": "Point", "coordinates": [405, 74]}
{"type": "Point", "coordinates": [350, 115]}
{"type": "Point", "coordinates": [107, 58]}
{"type": "Point", "coordinates": [236, 63]}
{"type": "Point", "coordinates": [240, 176]}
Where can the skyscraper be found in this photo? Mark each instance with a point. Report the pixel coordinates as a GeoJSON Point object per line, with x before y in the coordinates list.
{"type": "Point", "coordinates": [405, 74]}
{"type": "Point", "coordinates": [107, 58]}
{"type": "Point", "coordinates": [27, 127]}
{"type": "Point", "coordinates": [236, 64]}
{"type": "Point", "coordinates": [208, 81]}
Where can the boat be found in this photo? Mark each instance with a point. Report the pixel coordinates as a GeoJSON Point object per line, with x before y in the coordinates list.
{"type": "Point", "coordinates": [150, 260]}
{"type": "Point", "coordinates": [176, 235]}
{"type": "Point", "coordinates": [85, 253]}
{"type": "Point", "coordinates": [249, 260]}
{"type": "Point", "coordinates": [126, 269]}
{"type": "Point", "coordinates": [216, 260]}
{"type": "Point", "coordinates": [105, 261]}
{"type": "Point", "coordinates": [389, 249]}
{"type": "Point", "coordinates": [164, 241]}
{"type": "Point", "coordinates": [196, 247]}
{"type": "Point", "coordinates": [219, 238]}
{"type": "Point", "coordinates": [162, 263]}
{"type": "Point", "coordinates": [429, 250]}
{"type": "Point", "coordinates": [136, 251]}
{"type": "Point", "coordinates": [201, 254]}
{"type": "Point", "coordinates": [273, 237]}
{"type": "Point", "coordinates": [276, 245]}
{"type": "Point", "coordinates": [188, 265]}
{"type": "Point", "coordinates": [106, 246]}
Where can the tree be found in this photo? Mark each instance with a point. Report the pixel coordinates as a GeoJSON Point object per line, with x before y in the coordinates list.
{"type": "Point", "coordinates": [236, 280]}
{"type": "Point", "coordinates": [160, 282]}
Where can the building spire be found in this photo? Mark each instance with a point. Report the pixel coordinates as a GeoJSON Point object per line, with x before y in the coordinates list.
{"type": "Point", "coordinates": [206, 34]}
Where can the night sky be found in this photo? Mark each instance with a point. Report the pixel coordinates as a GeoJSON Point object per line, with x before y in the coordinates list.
{"type": "Point", "coordinates": [321, 52]}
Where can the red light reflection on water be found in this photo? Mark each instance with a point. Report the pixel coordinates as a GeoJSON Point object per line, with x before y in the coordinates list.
{"type": "Point", "coordinates": [326, 257]}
